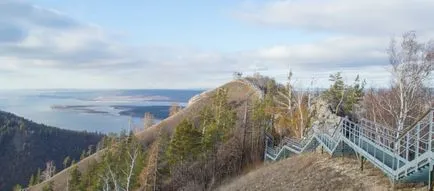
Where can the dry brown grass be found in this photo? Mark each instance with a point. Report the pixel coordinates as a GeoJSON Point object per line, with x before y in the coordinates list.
{"type": "Point", "coordinates": [238, 92]}
{"type": "Point", "coordinates": [314, 171]}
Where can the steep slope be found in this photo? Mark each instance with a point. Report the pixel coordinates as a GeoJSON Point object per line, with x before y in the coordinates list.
{"type": "Point", "coordinates": [315, 171]}
{"type": "Point", "coordinates": [238, 92]}
{"type": "Point", "coordinates": [26, 146]}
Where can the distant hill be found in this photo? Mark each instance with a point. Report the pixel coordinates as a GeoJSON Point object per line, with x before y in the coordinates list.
{"type": "Point", "coordinates": [26, 146]}
{"type": "Point", "coordinates": [158, 111]}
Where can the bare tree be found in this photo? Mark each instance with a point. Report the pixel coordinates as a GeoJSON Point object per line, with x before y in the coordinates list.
{"type": "Point", "coordinates": [174, 108]}
{"type": "Point", "coordinates": [148, 120]}
{"type": "Point", "coordinates": [49, 171]}
{"type": "Point", "coordinates": [149, 174]}
{"type": "Point", "coordinates": [412, 63]}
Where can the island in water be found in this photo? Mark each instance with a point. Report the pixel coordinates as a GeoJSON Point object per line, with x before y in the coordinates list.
{"type": "Point", "coordinates": [159, 112]}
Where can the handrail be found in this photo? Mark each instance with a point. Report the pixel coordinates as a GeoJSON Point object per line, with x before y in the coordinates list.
{"type": "Point", "coordinates": [398, 158]}
{"type": "Point", "coordinates": [410, 127]}
{"type": "Point", "coordinates": [252, 85]}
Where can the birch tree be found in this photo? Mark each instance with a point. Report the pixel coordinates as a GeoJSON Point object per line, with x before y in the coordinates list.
{"type": "Point", "coordinates": [300, 102]}
{"type": "Point", "coordinates": [286, 95]}
{"type": "Point", "coordinates": [49, 171]}
{"type": "Point", "coordinates": [122, 164]}
{"type": "Point", "coordinates": [131, 163]}
{"type": "Point", "coordinates": [412, 63]}
{"type": "Point", "coordinates": [284, 104]}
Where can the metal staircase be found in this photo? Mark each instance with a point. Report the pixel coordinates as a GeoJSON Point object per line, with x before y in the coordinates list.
{"type": "Point", "coordinates": [406, 156]}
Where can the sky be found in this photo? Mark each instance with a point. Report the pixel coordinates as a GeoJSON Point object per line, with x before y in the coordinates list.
{"type": "Point", "coordinates": [114, 44]}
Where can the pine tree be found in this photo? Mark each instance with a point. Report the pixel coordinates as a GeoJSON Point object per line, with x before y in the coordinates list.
{"type": "Point", "coordinates": [83, 155]}
{"type": "Point", "coordinates": [38, 177]}
{"type": "Point", "coordinates": [17, 188]}
{"type": "Point", "coordinates": [342, 97]}
{"type": "Point", "coordinates": [217, 120]}
{"type": "Point", "coordinates": [32, 180]}
{"type": "Point", "coordinates": [48, 187]}
{"type": "Point", "coordinates": [74, 182]}
{"type": "Point", "coordinates": [185, 143]}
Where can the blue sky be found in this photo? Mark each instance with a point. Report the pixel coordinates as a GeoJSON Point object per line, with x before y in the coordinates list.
{"type": "Point", "coordinates": [198, 44]}
{"type": "Point", "coordinates": [206, 25]}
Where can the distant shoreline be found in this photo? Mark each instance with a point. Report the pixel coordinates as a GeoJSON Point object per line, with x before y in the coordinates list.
{"type": "Point", "coordinates": [80, 108]}
{"type": "Point", "coordinates": [159, 112]}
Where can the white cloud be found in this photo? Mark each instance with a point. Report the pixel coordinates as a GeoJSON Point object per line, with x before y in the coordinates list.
{"type": "Point", "coordinates": [373, 17]}
{"type": "Point", "coordinates": [346, 51]}
{"type": "Point", "coordinates": [357, 33]}
{"type": "Point", "coordinates": [44, 48]}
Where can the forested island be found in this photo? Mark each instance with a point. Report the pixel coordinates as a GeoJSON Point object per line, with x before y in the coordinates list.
{"type": "Point", "coordinates": [158, 111]}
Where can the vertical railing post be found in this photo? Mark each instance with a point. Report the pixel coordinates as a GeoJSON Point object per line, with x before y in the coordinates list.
{"type": "Point", "coordinates": [431, 121]}
{"type": "Point", "coordinates": [406, 145]}
{"type": "Point", "coordinates": [430, 177]}
{"type": "Point", "coordinates": [360, 134]}
{"type": "Point", "coordinates": [417, 139]}
{"type": "Point", "coordinates": [266, 148]}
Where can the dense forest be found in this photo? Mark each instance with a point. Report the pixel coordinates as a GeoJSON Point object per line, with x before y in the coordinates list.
{"type": "Point", "coordinates": [27, 148]}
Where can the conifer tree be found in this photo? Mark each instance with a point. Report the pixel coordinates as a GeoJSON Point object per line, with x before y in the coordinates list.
{"type": "Point", "coordinates": [48, 187]}
{"type": "Point", "coordinates": [38, 176]}
{"type": "Point", "coordinates": [83, 155]}
{"type": "Point", "coordinates": [32, 180]}
{"type": "Point", "coordinates": [185, 143]}
{"type": "Point", "coordinates": [217, 120]}
{"type": "Point", "coordinates": [17, 188]}
{"type": "Point", "coordinates": [342, 97]}
{"type": "Point", "coordinates": [74, 179]}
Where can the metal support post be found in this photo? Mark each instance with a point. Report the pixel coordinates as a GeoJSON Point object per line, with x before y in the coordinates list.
{"type": "Point", "coordinates": [431, 175]}
{"type": "Point", "coordinates": [362, 162]}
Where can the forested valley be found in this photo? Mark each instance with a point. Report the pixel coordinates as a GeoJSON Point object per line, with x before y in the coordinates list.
{"type": "Point", "coordinates": [28, 148]}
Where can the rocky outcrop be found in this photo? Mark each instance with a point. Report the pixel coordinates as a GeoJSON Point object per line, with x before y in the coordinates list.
{"type": "Point", "coordinates": [323, 119]}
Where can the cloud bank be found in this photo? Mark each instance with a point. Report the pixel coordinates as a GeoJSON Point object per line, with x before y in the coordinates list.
{"type": "Point", "coordinates": [45, 48]}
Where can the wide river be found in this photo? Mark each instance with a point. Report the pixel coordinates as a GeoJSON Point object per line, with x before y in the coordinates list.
{"type": "Point", "coordinates": [36, 105]}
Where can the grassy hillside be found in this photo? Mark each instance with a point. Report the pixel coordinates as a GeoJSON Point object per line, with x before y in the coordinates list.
{"type": "Point", "coordinates": [315, 171]}
{"type": "Point", "coordinates": [238, 94]}
{"type": "Point", "coordinates": [26, 146]}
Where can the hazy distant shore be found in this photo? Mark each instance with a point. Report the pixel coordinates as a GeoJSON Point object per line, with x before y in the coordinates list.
{"type": "Point", "coordinates": [130, 98]}
{"type": "Point", "coordinates": [159, 112]}
{"type": "Point", "coordinates": [79, 108]}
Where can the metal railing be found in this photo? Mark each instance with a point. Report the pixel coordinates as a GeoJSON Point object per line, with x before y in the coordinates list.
{"type": "Point", "coordinates": [402, 155]}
